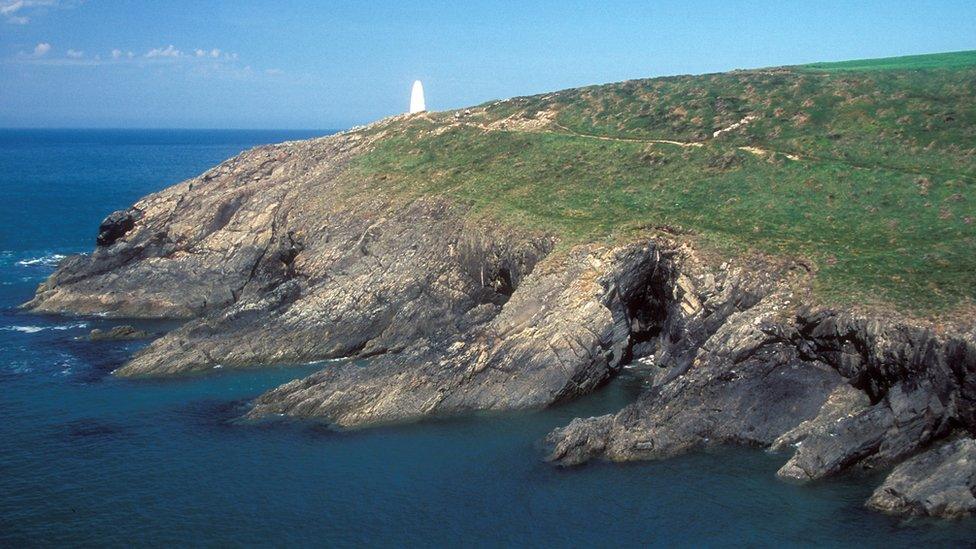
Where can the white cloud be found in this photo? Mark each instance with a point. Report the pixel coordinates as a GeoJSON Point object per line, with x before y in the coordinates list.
{"type": "Point", "coordinates": [169, 51]}
{"type": "Point", "coordinates": [274, 72]}
{"type": "Point", "coordinates": [211, 61]}
{"type": "Point", "coordinates": [41, 49]}
{"type": "Point", "coordinates": [10, 8]}
{"type": "Point", "coordinates": [13, 10]}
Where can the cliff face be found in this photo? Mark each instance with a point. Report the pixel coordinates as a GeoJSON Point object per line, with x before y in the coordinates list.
{"type": "Point", "coordinates": [287, 254]}
{"type": "Point", "coordinates": [275, 262]}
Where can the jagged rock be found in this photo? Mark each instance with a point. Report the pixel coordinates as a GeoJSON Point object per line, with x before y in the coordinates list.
{"type": "Point", "coordinates": [562, 333]}
{"type": "Point", "coordinates": [424, 277]}
{"type": "Point", "coordinates": [940, 482]}
{"type": "Point", "coordinates": [192, 248]}
{"type": "Point", "coordinates": [890, 389]}
{"type": "Point", "coordinates": [457, 315]}
{"type": "Point", "coordinates": [743, 386]}
{"type": "Point", "coordinates": [878, 435]}
{"type": "Point", "coordinates": [280, 255]}
{"type": "Point", "coordinates": [843, 403]}
{"type": "Point", "coordinates": [117, 332]}
{"type": "Point", "coordinates": [116, 225]}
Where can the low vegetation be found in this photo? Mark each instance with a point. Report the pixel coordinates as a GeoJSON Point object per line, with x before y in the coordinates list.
{"type": "Point", "coordinates": [864, 168]}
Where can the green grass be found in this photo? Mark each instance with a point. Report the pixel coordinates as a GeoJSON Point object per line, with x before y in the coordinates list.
{"type": "Point", "coordinates": [952, 60]}
{"type": "Point", "coordinates": [881, 198]}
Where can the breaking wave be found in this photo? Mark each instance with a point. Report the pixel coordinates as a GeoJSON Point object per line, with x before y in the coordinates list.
{"type": "Point", "coordinates": [35, 329]}
{"type": "Point", "coordinates": [50, 260]}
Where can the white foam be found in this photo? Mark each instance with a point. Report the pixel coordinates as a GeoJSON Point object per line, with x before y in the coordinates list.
{"type": "Point", "coordinates": [325, 361]}
{"type": "Point", "coordinates": [35, 329]}
{"type": "Point", "coordinates": [70, 326]}
{"type": "Point", "coordinates": [51, 260]}
{"type": "Point", "coordinates": [24, 329]}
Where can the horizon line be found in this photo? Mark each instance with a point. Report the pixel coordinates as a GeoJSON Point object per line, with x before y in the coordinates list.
{"type": "Point", "coordinates": [145, 128]}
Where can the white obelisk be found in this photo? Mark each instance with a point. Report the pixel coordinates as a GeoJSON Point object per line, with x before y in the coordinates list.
{"type": "Point", "coordinates": [417, 98]}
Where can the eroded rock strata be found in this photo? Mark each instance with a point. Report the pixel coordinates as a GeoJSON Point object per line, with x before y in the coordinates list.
{"type": "Point", "coordinates": [276, 256]}
{"type": "Point", "coordinates": [939, 482]}
{"type": "Point", "coordinates": [839, 391]}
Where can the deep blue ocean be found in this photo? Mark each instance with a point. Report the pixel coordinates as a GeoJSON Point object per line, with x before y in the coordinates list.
{"type": "Point", "coordinates": [87, 459]}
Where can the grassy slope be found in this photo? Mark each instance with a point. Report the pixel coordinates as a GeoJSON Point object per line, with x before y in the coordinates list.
{"type": "Point", "coordinates": [879, 196]}
{"type": "Point", "coordinates": [948, 60]}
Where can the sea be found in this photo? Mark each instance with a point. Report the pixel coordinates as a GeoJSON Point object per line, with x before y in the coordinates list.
{"type": "Point", "coordinates": [87, 459]}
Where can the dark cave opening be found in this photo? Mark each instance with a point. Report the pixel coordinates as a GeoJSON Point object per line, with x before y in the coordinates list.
{"type": "Point", "coordinates": [641, 298]}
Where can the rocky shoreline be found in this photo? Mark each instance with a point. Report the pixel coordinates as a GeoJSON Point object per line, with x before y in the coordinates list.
{"type": "Point", "coordinates": [276, 257]}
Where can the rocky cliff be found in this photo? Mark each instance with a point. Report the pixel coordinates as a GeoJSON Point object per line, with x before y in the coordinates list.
{"type": "Point", "coordinates": [290, 254]}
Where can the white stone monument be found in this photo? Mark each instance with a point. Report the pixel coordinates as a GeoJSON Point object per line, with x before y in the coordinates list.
{"type": "Point", "coordinates": [417, 98]}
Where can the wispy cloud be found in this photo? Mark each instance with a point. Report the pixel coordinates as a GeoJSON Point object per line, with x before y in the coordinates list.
{"type": "Point", "coordinates": [167, 52]}
{"type": "Point", "coordinates": [10, 8]}
{"type": "Point", "coordinates": [15, 11]}
{"type": "Point", "coordinates": [43, 54]}
{"type": "Point", "coordinates": [214, 53]}
{"type": "Point", "coordinates": [172, 52]}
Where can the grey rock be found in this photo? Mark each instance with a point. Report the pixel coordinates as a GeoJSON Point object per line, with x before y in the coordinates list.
{"type": "Point", "coordinates": [271, 267]}
{"type": "Point", "coordinates": [863, 394]}
{"type": "Point", "coordinates": [940, 482]}
{"type": "Point", "coordinates": [844, 402]}
{"type": "Point", "coordinates": [557, 337]}
{"type": "Point", "coordinates": [281, 255]}
{"type": "Point", "coordinates": [116, 225]}
{"type": "Point", "coordinates": [744, 386]}
{"type": "Point", "coordinates": [873, 436]}
{"type": "Point", "coordinates": [117, 333]}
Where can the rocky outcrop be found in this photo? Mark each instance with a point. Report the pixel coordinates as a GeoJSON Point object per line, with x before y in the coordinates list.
{"type": "Point", "coordinates": [566, 329]}
{"type": "Point", "coordinates": [284, 255]}
{"type": "Point", "coordinates": [277, 257]}
{"type": "Point", "coordinates": [839, 390]}
{"type": "Point", "coordinates": [116, 225]}
{"type": "Point", "coordinates": [360, 282]}
{"type": "Point", "coordinates": [940, 482]}
{"type": "Point", "coordinates": [117, 333]}
{"type": "Point", "coordinates": [196, 247]}
{"type": "Point", "coordinates": [918, 384]}
{"type": "Point", "coordinates": [743, 385]}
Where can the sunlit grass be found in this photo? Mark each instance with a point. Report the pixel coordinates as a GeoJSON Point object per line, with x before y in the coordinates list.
{"type": "Point", "coordinates": [880, 197]}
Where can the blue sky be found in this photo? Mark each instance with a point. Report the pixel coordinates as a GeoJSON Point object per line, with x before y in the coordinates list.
{"type": "Point", "coordinates": [321, 64]}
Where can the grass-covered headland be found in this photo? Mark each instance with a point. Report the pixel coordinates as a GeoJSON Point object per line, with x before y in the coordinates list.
{"type": "Point", "coordinates": [865, 169]}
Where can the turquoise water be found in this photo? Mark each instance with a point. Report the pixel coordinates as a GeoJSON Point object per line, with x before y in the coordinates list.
{"type": "Point", "coordinates": [87, 459]}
